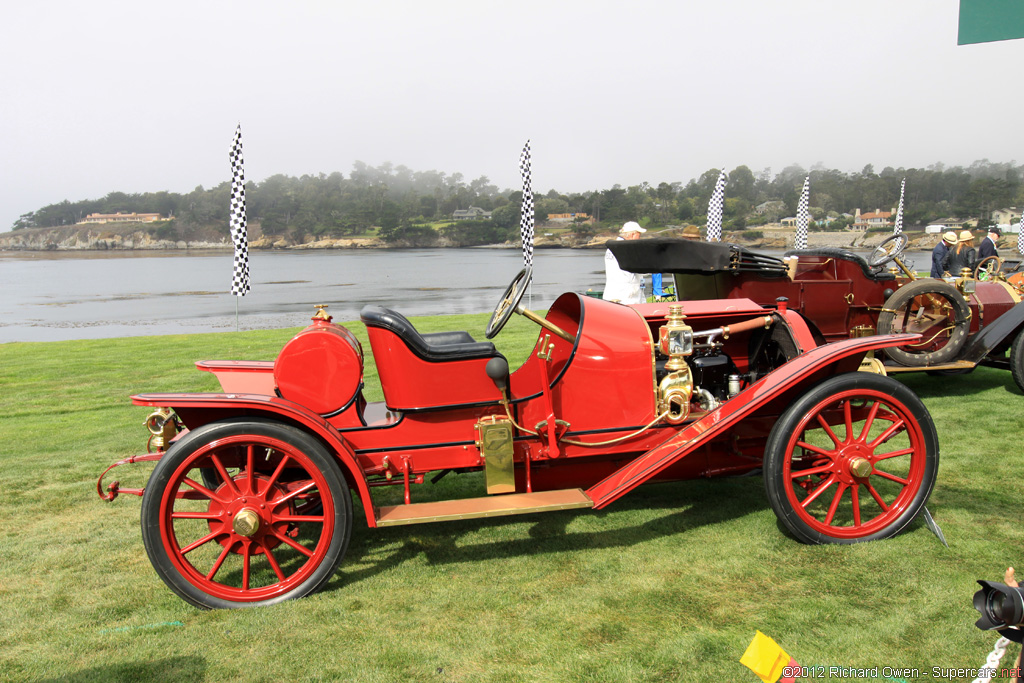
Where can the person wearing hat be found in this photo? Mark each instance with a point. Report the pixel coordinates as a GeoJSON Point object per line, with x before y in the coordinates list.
{"type": "Point", "coordinates": [963, 255]}
{"type": "Point", "coordinates": [941, 252]}
{"type": "Point", "coordinates": [988, 245]}
{"type": "Point", "coordinates": [626, 288]}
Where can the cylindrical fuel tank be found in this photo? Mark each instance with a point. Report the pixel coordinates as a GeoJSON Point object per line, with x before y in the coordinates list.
{"type": "Point", "coordinates": [321, 368]}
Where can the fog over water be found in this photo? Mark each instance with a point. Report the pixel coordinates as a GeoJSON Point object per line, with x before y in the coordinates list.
{"type": "Point", "coordinates": [58, 296]}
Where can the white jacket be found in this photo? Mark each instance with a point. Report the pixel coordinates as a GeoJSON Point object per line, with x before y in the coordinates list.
{"type": "Point", "coordinates": [619, 285]}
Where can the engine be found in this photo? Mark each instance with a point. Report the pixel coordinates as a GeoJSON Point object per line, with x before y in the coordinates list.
{"type": "Point", "coordinates": [693, 366]}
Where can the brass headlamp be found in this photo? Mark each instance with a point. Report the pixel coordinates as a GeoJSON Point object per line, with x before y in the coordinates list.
{"type": "Point", "coordinates": [675, 340]}
{"type": "Point", "coordinates": [162, 426]}
{"type": "Point", "coordinates": [966, 282]}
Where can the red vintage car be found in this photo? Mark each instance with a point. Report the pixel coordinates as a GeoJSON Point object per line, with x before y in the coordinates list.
{"type": "Point", "coordinates": [251, 498]}
{"type": "Point", "coordinates": [963, 321]}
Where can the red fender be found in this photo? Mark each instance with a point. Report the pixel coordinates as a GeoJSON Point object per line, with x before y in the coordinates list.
{"type": "Point", "coordinates": [844, 355]}
{"type": "Point", "coordinates": [199, 409]}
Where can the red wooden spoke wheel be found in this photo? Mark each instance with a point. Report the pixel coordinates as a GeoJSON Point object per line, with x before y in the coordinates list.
{"type": "Point", "coordinates": [854, 459]}
{"type": "Point", "coordinates": [275, 526]}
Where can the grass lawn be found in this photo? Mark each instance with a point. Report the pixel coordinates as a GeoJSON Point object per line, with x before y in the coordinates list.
{"type": "Point", "coordinates": [667, 584]}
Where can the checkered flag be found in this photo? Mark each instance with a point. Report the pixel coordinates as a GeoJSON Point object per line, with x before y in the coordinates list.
{"type": "Point", "coordinates": [240, 275]}
{"type": "Point", "coordinates": [803, 216]}
{"type": "Point", "coordinates": [526, 217]}
{"type": "Point", "coordinates": [1020, 236]}
{"type": "Point", "coordinates": [715, 209]}
{"type": "Point", "coordinates": [898, 227]}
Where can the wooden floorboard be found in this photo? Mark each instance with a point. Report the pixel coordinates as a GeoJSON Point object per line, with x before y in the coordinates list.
{"type": "Point", "coordinates": [491, 506]}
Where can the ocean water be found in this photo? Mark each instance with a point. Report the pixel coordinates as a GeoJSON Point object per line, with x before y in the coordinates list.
{"type": "Point", "coordinates": [92, 295]}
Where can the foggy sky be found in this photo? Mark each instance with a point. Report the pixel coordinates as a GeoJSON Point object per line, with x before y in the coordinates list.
{"type": "Point", "coordinates": [136, 97]}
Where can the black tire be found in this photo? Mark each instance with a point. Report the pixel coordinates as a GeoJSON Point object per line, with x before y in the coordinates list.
{"type": "Point", "coordinates": [944, 331]}
{"type": "Point", "coordinates": [1017, 360]}
{"type": "Point", "coordinates": [276, 527]}
{"type": "Point", "coordinates": [808, 471]}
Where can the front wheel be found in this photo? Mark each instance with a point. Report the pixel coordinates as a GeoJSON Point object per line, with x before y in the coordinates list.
{"type": "Point", "coordinates": [854, 459]}
{"type": "Point", "coordinates": [273, 524]}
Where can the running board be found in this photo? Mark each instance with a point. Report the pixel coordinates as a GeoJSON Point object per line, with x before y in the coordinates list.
{"type": "Point", "coordinates": [491, 506]}
{"type": "Point", "coordinates": [955, 365]}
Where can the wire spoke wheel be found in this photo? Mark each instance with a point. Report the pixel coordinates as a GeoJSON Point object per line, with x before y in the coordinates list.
{"type": "Point", "coordinates": [246, 512]}
{"type": "Point", "coordinates": [854, 459]}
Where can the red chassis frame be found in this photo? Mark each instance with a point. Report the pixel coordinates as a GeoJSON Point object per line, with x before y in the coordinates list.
{"type": "Point", "coordinates": [585, 411]}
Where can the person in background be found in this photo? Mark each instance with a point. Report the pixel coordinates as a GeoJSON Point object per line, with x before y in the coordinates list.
{"type": "Point", "coordinates": [626, 288]}
{"type": "Point", "coordinates": [940, 252]}
{"type": "Point", "coordinates": [962, 256]}
{"type": "Point", "coordinates": [988, 245]}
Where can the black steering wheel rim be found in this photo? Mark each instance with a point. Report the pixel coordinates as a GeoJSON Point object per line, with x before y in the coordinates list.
{"type": "Point", "coordinates": [509, 302]}
{"type": "Point", "coordinates": [883, 254]}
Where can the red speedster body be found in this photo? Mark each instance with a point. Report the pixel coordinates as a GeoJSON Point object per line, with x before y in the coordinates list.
{"type": "Point", "coordinates": [251, 499]}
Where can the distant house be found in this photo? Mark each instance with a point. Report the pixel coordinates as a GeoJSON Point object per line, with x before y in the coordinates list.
{"type": "Point", "coordinates": [789, 222]}
{"type": "Point", "coordinates": [949, 223]}
{"type": "Point", "coordinates": [473, 213]}
{"type": "Point", "coordinates": [120, 218]}
{"type": "Point", "coordinates": [872, 219]}
{"type": "Point", "coordinates": [1006, 216]}
{"type": "Point", "coordinates": [765, 207]}
{"type": "Point", "coordinates": [566, 217]}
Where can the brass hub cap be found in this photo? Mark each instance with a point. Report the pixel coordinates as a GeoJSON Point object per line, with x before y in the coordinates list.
{"type": "Point", "coordinates": [860, 467]}
{"type": "Point", "coordinates": [246, 522]}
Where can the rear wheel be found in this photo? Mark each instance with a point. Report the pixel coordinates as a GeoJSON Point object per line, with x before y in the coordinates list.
{"type": "Point", "coordinates": [854, 459]}
{"type": "Point", "coordinates": [273, 524]}
{"type": "Point", "coordinates": [933, 309]}
{"type": "Point", "coordinates": [1017, 360]}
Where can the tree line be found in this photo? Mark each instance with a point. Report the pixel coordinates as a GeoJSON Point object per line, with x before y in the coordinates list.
{"type": "Point", "coordinates": [400, 204]}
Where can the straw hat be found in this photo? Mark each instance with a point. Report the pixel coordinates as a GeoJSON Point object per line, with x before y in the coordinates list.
{"type": "Point", "coordinates": [949, 237]}
{"type": "Point", "coordinates": [966, 236]}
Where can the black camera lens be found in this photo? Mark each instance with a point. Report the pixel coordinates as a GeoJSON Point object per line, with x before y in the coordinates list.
{"type": "Point", "coordinates": [997, 606]}
{"type": "Point", "coordinates": [1001, 608]}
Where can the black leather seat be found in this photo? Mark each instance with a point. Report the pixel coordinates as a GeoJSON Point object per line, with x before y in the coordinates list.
{"type": "Point", "coordinates": [436, 347]}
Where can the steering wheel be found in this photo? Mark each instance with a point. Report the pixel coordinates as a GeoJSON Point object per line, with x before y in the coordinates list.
{"type": "Point", "coordinates": [888, 250]}
{"type": "Point", "coordinates": [982, 266]}
{"type": "Point", "coordinates": [509, 301]}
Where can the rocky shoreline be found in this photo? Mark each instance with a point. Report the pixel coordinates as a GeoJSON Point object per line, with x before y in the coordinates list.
{"type": "Point", "coordinates": [82, 239]}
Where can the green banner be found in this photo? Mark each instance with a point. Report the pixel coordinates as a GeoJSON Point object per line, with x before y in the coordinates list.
{"type": "Point", "coordinates": [983, 21]}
